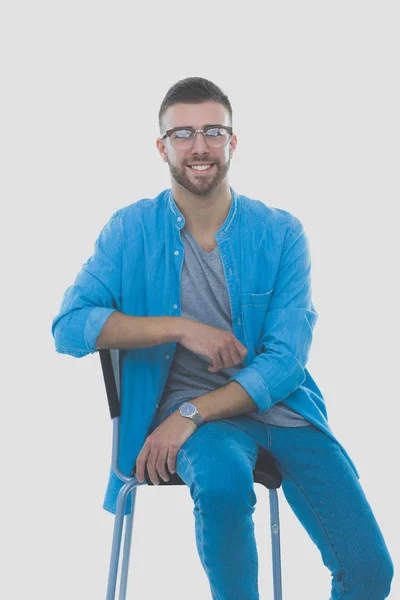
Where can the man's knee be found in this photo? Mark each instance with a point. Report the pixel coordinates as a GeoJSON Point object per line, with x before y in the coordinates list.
{"type": "Point", "coordinates": [372, 575]}
{"type": "Point", "coordinates": [227, 488]}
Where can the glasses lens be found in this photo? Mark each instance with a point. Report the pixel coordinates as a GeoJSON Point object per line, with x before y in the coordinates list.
{"type": "Point", "coordinates": [217, 137]}
{"type": "Point", "coordinates": [182, 138]}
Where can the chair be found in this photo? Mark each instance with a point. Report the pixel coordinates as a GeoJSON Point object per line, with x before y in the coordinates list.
{"type": "Point", "coordinates": [265, 472]}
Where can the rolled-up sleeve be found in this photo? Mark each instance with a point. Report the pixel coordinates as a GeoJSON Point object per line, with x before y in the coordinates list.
{"type": "Point", "coordinates": [93, 297]}
{"type": "Point", "coordinates": [287, 329]}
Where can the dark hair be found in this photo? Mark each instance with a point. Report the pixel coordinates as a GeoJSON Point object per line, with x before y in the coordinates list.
{"type": "Point", "coordinates": [193, 90]}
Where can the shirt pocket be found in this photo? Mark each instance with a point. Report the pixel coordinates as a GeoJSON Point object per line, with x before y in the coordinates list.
{"type": "Point", "coordinates": [253, 310]}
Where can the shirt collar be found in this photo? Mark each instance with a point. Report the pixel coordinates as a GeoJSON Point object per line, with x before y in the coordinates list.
{"type": "Point", "coordinates": [226, 227]}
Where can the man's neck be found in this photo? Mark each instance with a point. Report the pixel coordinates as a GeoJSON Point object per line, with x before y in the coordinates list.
{"type": "Point", "coordinates": [204, 215]}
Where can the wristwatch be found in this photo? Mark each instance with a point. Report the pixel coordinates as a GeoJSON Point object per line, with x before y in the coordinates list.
{"type": "Point", "coordinates": [188, 409]}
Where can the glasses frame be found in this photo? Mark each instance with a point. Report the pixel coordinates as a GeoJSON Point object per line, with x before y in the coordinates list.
{"type": "Point", "coordinates": [169, 132]}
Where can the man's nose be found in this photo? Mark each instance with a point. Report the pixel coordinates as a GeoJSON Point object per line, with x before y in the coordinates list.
{"type": "Point", "coordinates": [199, 144]}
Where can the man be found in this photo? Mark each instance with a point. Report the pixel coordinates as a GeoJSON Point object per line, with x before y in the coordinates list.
{"type": "Point", "coordinates": [207, 294]}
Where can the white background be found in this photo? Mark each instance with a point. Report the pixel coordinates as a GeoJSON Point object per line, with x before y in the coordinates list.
{"type": "Point", "coordinates": [314, 88]}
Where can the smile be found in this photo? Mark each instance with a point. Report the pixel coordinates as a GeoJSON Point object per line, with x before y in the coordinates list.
{"type": "Point", "coordinates": [201, 168]}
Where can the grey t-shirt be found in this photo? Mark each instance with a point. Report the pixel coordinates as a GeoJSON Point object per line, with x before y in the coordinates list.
{"type": "Point", "coordinates": [204, 298]}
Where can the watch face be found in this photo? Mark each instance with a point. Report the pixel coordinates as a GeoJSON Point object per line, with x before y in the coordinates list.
{"type": "Point", "coordinates": [187, 410]}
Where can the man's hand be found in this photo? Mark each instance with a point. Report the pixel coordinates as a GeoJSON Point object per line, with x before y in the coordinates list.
{"type": "Point", "coordinates": [221, 347]}
{"type": "Point", "coordinates": [162, 446]}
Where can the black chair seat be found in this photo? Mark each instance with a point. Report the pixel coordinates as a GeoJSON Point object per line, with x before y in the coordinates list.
{"type": "Point", "coordinates": [265, 472]}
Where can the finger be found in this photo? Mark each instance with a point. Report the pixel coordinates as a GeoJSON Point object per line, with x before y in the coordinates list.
{"type": "Point", "coordinates": [171, 460]}
{"type": "Point", "coordinates": [141, 462]}
{"type": "Point", "coordinates": [231, 357]}
{"type": "Point", "coordinates": [226, 359]}
{"type": "Point", "coordinates": [217, 364]}
{"type": "Point", "coordinates": [151, 466]}
{"type": "Point", "coordinates": [160, 465]}
{"type": "Point", "coordinates": [242, 350]}
{"type": "Point", "coordinates": [235, 356]}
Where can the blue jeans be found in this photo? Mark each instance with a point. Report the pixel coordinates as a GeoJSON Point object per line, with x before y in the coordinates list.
{"type": "Point", "coordinates": [217, 464]}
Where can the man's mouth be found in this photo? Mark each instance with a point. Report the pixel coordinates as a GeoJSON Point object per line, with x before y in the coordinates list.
{"type": "Point", "coordinates": [201, 167]}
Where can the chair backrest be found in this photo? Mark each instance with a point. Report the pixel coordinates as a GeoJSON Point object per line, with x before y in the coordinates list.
{"type": "Point", "coordinates": [111, 373]}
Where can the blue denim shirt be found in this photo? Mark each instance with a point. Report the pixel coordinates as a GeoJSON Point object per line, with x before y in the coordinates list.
{"type": "Point", "coordinates": [135, 269]}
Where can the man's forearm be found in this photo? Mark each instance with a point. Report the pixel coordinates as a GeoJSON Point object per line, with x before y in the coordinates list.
{"type": "Point", "coordinates": [227, 401]}
{"type": "Point", "coordinates": [126, 332]}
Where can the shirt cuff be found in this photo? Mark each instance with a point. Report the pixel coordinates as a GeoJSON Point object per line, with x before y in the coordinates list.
{"type": "Point", "coordinates": [94, 324]}
{"type": "Point", "coordinates": [255, 386]}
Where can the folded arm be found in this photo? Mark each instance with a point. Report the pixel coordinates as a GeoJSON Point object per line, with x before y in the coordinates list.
{"type": "Point", "coordinates": [93, 297]}
{"type": "Point", "coordinates": [287, 329]}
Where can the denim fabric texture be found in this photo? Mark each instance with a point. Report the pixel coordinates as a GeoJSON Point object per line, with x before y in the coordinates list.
{"type": "Point", "coordinates": [135, 269]}
{"type": "Point", "coordinates": [216, 463]}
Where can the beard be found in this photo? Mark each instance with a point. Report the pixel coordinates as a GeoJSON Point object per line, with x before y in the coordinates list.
{"type": "Point", "coordinates": [202, 185]}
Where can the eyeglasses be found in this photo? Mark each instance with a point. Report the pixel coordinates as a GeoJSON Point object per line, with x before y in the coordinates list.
{"type": "Point", "coordinates": [216, 136]}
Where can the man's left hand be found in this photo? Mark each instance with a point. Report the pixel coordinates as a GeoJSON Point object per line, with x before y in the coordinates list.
{"type": "Point", "coordinates": [162, 446]}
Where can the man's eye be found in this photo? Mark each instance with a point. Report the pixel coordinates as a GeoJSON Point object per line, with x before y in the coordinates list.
{"type": "Point", "coordinates": [216, 132]}
{"type": "Point", "coordinates": [183, 133]}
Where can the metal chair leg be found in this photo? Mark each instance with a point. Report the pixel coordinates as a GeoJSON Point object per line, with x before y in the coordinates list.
{"type": "Point", "coordinates": [117, 535]}
{"type": "Point", "coordinates": [127, 548]}
{"type": "Point", "coordinates": [276, 544]}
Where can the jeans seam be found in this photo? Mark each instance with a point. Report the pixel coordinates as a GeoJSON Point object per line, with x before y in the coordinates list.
{"type": "Point", "coordinates": [201, 520]}
{"type": "Point", "coordinates": [269, 442]}
{"type": "Point", "coordinates": [323, 529]}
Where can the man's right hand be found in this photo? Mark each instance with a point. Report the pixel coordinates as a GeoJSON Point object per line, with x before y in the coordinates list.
{"type": "Point", "coordinates": [221, 347]}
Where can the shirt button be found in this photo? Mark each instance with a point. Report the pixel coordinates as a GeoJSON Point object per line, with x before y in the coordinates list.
{"type": "Point", "coordinates": [176, 252]}
{"type": "Point", "coordinates": [167, 356]}
{"type": "Point", "coordinates": [175, 306]}
{"type": "Point", "coordinates": [179, 219]}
